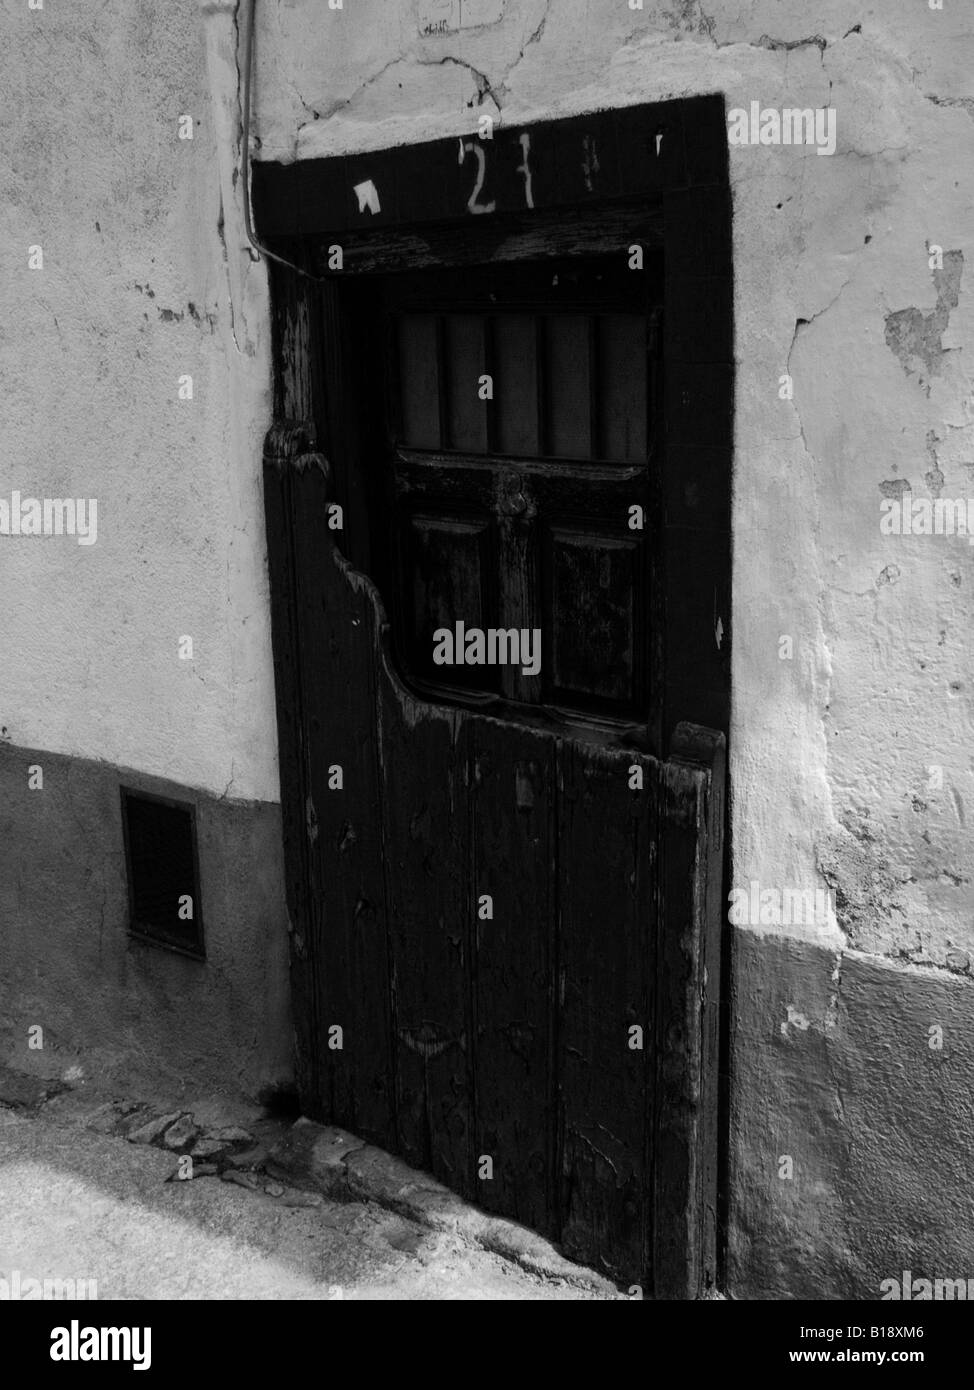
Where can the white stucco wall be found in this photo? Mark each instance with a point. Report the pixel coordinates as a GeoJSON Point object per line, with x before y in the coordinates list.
{"type": "Point", "coordinates": [135, 291]}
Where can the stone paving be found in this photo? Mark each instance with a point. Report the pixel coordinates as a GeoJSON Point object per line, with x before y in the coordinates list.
{"type": "Point", "coordinates": [218, 1200]}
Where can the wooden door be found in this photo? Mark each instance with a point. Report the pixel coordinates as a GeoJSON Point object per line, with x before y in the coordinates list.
{"type": "Point", "coordinates": [509, 895]}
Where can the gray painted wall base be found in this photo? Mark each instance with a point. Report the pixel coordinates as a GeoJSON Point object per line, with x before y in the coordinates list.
{"type": "Point", "coordinates": [121, 1009]}
{"type": "Point", "coordinates": [833, 1066]}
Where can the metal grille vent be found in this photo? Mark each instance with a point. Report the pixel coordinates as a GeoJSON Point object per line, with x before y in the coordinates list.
{"type": "Point", "coordinates": [163, 873]}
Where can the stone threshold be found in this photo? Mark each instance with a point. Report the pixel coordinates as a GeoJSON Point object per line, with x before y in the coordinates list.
{"type": "Point", "coordinates": [345, 1168]}
{"type": "Point", "coordinates": [301, 1164]}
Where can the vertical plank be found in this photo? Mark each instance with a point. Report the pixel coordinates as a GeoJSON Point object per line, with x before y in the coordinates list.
{"type": "Point", "coordinates": [513, 795]}
{"type": "Point", "coordinates": [607, 927]}
{"type": "Point", "coordinates": [337, 623]}
{"type": "Point", "coordinates": [516, 384]}
{"type": "Point", "coordinates": [622, 387]}
{"type": "Point", "coordinates": [419, 380]}
{"type": "Point", "coordinates": [465, 364]}
{"type": "Point", "coordinates": [430, 902]}
{"type": "Point", "coordinates": [687, 992]}
{"type": "Point", "coordinates": [569, 386]}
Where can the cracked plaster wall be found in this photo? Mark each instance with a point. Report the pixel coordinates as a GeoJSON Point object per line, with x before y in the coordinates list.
{"type": "Point", "coordinates": [831, 752]}
{"type": "Point", "coordinates": [144, 280]}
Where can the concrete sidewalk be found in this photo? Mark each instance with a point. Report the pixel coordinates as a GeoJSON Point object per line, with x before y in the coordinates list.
{"type": "Point", "coordinates": [82, 1204]}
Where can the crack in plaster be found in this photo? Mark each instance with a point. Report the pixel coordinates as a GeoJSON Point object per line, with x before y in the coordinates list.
{"type": "Point", "coordinates": [832, 1007]}
{"type": "Point", "coordinates": [801, 323]}
{"type": "Point", "coordinates": [496, 92]}
{"type": "Point", "coordinates": [533, 37]}
{"type": "Point", "coordinates": [221, 233]}
{"type": "Point", "coordinates": [341, 104]}
{"type": "Point", "coordinates": [786, 45]}
{"type": "Point", "coordinates": [226, 790]}
{"type": "Point", "coordinates": [707, 24]}
{"type": "Point", "coordinates": [967, 103]}
{"type": "Point", "coordinates": [484, 87]}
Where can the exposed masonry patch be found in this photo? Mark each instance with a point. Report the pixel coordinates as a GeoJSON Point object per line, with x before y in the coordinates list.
{"type": "Point", "coordinates": [866, 890]}
{"type": "Point", "coordinates": [794, 1019]}
{"type": "Point", "coordinates": [870, 903]}
{"type": "Point", "coordinates": [915, 336]}
{"type": "Point", "coordinates": [895, 487]}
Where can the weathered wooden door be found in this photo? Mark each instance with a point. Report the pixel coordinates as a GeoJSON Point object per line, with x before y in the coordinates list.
{"type": "Point", "coordinates": [504, 886]}
{"type": "Point", "coordinates": [509, 894]}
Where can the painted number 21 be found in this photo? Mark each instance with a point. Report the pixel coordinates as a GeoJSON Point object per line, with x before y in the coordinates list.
{"type": "Point", "coordinates": [474, 204]}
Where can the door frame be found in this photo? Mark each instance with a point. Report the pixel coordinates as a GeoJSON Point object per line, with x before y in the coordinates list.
{"type": "Point", "coordinates": [681, 204]}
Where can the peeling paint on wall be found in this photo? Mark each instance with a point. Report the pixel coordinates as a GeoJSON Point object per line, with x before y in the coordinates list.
{"type": "Point", "coordinates": [916, 337]}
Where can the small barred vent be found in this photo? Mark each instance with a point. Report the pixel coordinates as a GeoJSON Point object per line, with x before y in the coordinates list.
{"type": "Point", "coordinates": [163, 875]}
